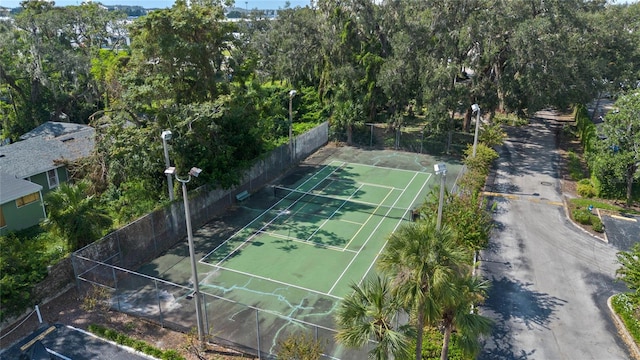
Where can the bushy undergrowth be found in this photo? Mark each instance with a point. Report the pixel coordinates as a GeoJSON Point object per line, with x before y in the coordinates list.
{"type": "Point", "coordinates": [585, 217]}
{"type": "Point", "coordinates": [24, 257]}
{"type": "Point", "coordinates": [586, 189]}
{"type": "Point", "coordinates": [510, 119]}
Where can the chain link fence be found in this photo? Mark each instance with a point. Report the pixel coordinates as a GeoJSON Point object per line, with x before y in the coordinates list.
{"type": "Point", "coordinates": [108, 265]}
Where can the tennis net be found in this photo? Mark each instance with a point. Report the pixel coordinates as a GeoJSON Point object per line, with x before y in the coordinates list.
{"type": "Point", "coordinates": [345, 204]}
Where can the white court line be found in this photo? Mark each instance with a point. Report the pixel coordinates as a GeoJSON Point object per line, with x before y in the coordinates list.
{"type": "Point", "coordinates": [264, 226]}
{"type": "Point", "coordinates": [306, 242]}
{"type": "Point", "coordinates": [390, 168]}
{"type": "Point", "coordinates": [369, 184]}
{"type": "Point", "coordinates": [369, 238]}
{"type": "Point", "coordinates": [394, 230]}
{"type": "Point", "coordinates": [335, 212]}
{"type": "Point", "coordinates": [369, 218]}
{"type": "Point", "coordinates": [276, 281]}
{"type": "Point", "coordinates": [351, 222]}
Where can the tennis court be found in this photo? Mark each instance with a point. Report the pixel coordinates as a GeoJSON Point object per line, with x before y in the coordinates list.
{"type": "Point", "coordinates": [324, 233]}
{"type": "Point", "coordinates": [280, 262]}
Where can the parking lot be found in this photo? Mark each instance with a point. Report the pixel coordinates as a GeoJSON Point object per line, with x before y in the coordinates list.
{"type": "Point", "coordinates": [622, 231]}
{"type": "Point", "coordinates": [65, 342]}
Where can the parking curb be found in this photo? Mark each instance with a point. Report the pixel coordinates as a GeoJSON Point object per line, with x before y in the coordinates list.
{"type": "Point", "coordinates": [634, 350]}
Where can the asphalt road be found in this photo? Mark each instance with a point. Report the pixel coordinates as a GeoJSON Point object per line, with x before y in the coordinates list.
{"type": "Point", "coordinates": [550, 281]}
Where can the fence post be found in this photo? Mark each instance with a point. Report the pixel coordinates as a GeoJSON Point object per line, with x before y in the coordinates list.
{"type": "Point", "coordinates": [258, 332]}
{"type": "Point", "coordinates": [115, 286]}
{"type": "Point", "coordinates": [155, 282]}
{"type": "Point", "coordinates": [39, 315]}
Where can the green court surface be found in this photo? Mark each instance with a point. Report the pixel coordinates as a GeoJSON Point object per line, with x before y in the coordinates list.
{"type": "Point", "coordinates": [283, 259]}
{"type": "Point", "coordinates": [318, 237]}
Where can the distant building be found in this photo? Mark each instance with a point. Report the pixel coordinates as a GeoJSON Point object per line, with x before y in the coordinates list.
{"type": "Point", "coordinates": [36, 165]}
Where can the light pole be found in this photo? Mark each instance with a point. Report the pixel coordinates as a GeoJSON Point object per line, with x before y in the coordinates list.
{"type": "Point", "coordinates": [476, 108]}
{"type": "Point", "coordinates": [292, 93]}
{"type": "Point", "coordinates": [440, 169]}
{"type": "Point", "coordinates": [166, 136]}
{"type": "Point", "coordinates": [192, 256]}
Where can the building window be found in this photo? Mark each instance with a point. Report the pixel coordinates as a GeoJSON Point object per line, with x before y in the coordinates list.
{"type": "Point", "coordinates": [28, 199]}
{"type": "Point", "coordinates": [2, 222]}
{"type": "Point", "coordinates": [52, 175]}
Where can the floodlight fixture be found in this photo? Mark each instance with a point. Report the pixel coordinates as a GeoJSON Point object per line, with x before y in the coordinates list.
{"type": "Point", "coordinates": [166, 135]}
{"type": "Point", "coordinates": [171, 170]}
{"type": "Point", "coordinates": [195, 171]}
{"type": "Point", "coordinates": [440, 168]}
{"type": "Point", "coordinates": [476, 108]}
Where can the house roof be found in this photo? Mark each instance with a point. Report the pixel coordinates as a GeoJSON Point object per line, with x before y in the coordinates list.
{"type": "Point", "coordinates": [52, 129]}
{"type": "Point", "coordinates": [12, 188]}
{"type": "Point", "coordinates": [39, 154]}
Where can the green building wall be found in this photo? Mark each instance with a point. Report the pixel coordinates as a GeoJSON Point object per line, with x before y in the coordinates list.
{"type": "Point", "coordinates": [41, 179]}
{"type": "Point", "coordinates": [18, 218]}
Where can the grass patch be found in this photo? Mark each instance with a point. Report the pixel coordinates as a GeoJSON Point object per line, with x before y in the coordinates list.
{"type": "Point", "coordinates": [600, 205]}
{"type": "Point", "coordinates": [625, 306]}
{"type": "Point", "coordinates": [139, 345]}
{"type": "Point", "coordinates": [575, 166]}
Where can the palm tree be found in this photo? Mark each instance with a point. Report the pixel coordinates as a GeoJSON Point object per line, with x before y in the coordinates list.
{"type": "Point", "coordinates": [458, 312]}
{"type": "Point", "coordinates": [74, 215]}
{"type": "Point", "coordinates": [371, 312]}
{"type": "Point", "coordinates": [422, 262]}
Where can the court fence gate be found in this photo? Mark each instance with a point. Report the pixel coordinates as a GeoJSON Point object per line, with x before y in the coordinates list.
{"type": "Point", "coordinates": [107, 264]}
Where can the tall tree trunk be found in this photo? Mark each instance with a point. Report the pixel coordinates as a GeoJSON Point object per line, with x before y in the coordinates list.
{"type": "Point", "coordinates": [467, 120]}
{"type": "Point", "coordinates": [444, 354]}
{"type": "Point", "coordinates": [349, 134]}
{"type": "Point", "coordinates": [420, 329]}
{"type": "Point", "coordinates": [630, 172]}
{"type": "Point", "coordinates": [501, 95]}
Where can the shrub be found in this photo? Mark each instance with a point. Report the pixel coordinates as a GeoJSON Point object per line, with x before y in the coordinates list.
{"type": "Point", "coordinates": [510, 119]}
{"type": "Point", "coordinates": [597, 224]}
{"type": "Point", "coordinates": [583, 216]}
{"type": "Point", "coordinates": [299, 346]}
{"type": "Point", "coordinates": [586, 189]}
{"type": "Point", "coordinates": [492, 135]}
{"type": "Point", "coordinates": [482, 161]}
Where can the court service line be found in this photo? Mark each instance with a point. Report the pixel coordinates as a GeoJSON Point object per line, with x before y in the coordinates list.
{"type": "Point", "coordinates": [275, 281]}
{"type": "Point", "coordinates": [335, 212]}
{"type": "Point", "coordinates": [263, 213]}
{"type": "Point", "coordinates": [369, 218]}
{"type": "Point", "coordinates": [369, 184]}
{"type": "Point", "coordinates": [390, 168]}
{"type": "Point", "coordinates": [308, 243]}
{"type": "Point", "coordinates": [394, 230]}
{"type": "Point", "coordinates": [351, 222]}
{"type": "Point", "coordinates": [370, 236]}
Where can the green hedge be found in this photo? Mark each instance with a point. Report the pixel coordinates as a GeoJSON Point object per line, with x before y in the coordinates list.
{"type": "Point", "coordinates": [586, 128]}
{"type": "Point", "coordinates": [138, 345]}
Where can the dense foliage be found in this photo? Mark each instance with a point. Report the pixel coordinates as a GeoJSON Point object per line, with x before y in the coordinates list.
{"type": "Point", "coordinates": [24, 258]}
{"type": "Point", "coordinates": [222, 88]}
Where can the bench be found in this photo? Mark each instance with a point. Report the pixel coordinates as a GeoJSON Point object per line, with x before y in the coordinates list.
{"type": "Point", "coordinates": [242, 196]}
